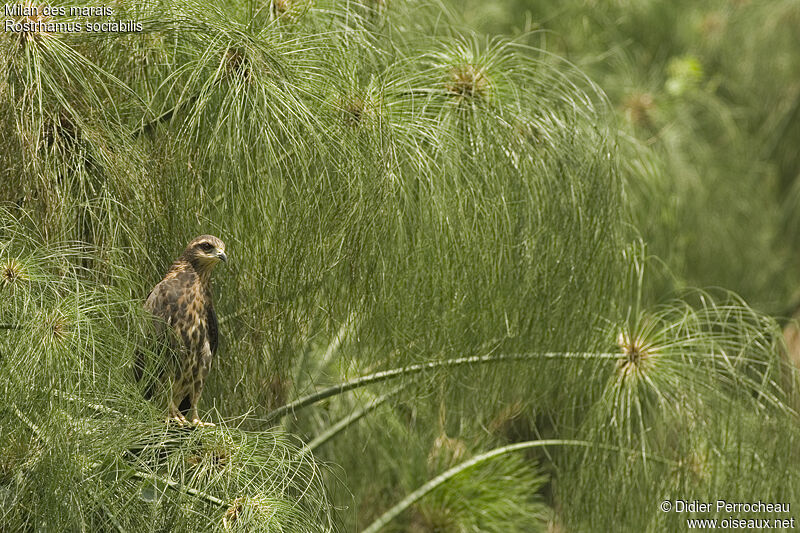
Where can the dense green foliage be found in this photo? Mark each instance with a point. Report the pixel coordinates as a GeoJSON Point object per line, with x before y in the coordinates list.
{"type": "Point", "coordinates": [399, 193]}
{"type": "Point", "coordinates": [711, 88]}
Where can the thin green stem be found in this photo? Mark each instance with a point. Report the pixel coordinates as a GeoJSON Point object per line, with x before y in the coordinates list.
{"type": "Point", "coordinates": [111, 516]}
{"type": "Point", "coordinates": [27, 421]}
{"type": "Point", "coordinates": [96, 406]}
{"type": "Point", "coordinates": [415, 496]}
{"type": "Point", "coordinates": [174, 485]}
{"type": "Point", "coordinates": [386, 375]}
{"type": "Point", "coordinates": [165, 117]}
{"type": "Point", "coordinates": [345, 422]}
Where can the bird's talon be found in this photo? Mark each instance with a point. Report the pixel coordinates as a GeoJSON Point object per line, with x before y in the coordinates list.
{"type": "Point", "coordinates": [181, 421]}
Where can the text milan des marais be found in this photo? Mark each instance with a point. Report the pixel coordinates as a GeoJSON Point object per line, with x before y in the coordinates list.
{"type": "Point", "coordinates": [49, 26]}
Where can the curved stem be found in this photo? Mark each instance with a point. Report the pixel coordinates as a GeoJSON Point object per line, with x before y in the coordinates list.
{"type": "Point", "coordinates": [415, 496]}
{"type": "Point", "coordinates": [350, 419]}
{"type": "Point", "coordinates": [174, 485]}
{"type": "Point", "coordinates": [386, 375]}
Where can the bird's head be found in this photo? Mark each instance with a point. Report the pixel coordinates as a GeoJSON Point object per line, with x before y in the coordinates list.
{"type": "Point", "coordinates": [205, 252]}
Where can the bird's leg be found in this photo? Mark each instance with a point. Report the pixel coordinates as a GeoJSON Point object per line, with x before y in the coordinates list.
{"type": "Point", "coordinates": [175, 415]}
{"type": "Point", "coordinates": [173, 411]}
{"type": "Point", "coordinates": [194, 399]}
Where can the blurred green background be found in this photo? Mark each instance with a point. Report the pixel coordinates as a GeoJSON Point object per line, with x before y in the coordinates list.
{"type": "Point", "coordinates": [710, 93]}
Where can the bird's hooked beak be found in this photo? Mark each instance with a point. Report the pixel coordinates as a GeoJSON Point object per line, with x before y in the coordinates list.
{"type": "Point", "coordinates": [222, 257]}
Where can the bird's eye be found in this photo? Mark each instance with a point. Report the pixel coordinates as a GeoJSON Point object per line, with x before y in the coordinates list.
{"type": "Point", "coordinates": [206, 247]}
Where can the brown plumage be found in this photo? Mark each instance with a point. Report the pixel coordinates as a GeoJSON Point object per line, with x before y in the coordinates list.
{"type": "Point", "coordinates": [182, 302]}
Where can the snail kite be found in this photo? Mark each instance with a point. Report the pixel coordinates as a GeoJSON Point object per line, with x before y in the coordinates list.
{"type": "Point", "coordinates": [182, 302]}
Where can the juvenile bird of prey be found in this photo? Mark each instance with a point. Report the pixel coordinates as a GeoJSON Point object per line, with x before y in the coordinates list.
{"type": "Point", "coordinates": [182, 302]}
